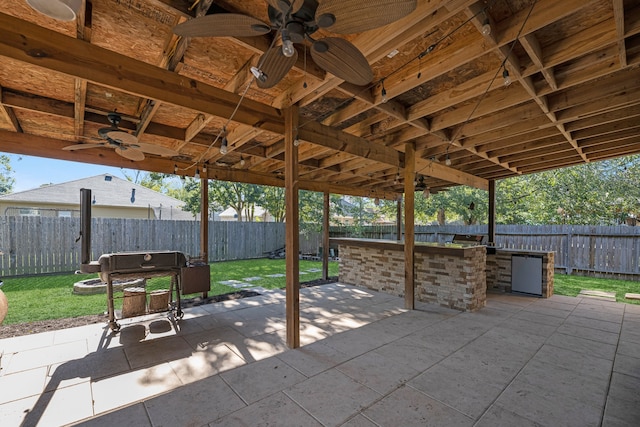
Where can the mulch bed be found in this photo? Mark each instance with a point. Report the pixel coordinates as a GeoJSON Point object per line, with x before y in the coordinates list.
{"type": "Point", "coordinates": [19, 329]}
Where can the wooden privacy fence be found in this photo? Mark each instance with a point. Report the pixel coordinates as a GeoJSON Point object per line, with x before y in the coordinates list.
{"type": "Point", "coordinates": [39, 245]}
{"type": "Point", "coordinates": [589, 250]}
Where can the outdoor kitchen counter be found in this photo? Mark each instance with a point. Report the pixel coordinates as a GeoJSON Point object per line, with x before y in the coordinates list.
{"type": "Point", "coordinates": [451, 275]}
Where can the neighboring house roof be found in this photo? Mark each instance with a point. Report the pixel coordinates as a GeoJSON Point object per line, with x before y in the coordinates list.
{"type": "Point", "coordinates": [231, 213]}
{"type": "Point", "coordinates": [106, 190]}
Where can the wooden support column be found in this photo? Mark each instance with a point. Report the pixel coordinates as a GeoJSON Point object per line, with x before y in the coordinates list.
{"type": "Point", "coordinates": [292, 228]}
{"type": "Point", "coordinates": [204, 222]}
{"type": "Point", "coordinates": [325, 237]}
{"type": "Point", "coordinates": [492, 212]}
{"type": "Point", "coordinates": [399, 218]}
{"type": "Point", "coordinates": [409, 235]}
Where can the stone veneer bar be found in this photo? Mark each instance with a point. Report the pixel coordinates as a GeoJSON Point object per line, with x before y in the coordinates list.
{"type": "Point", "coordinates": [450, 275]}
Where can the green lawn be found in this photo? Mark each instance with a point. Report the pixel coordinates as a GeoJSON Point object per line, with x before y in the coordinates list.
{"type": "Point", "coordinates": [572, 285]}
{"type": "Point", "coordinates": [51, 296]}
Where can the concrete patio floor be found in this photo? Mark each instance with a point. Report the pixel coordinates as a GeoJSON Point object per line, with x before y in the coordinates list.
{"type": "Point", "coordinates": [364, 361]}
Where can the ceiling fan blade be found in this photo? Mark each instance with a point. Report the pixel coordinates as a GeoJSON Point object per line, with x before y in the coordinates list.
{"type": "Point", "coordinates": [284, 5]}
{"type": "Point", "coordinates": [356, 16]}
{"type": "Point", "coordinates": [274, 66]}
{"type": "Point", "coordinates": [82, 146]}
{"type": "Point", "coordinates": [155, 149]}
{"type": "Point", "coordinates": [342, 59]}
{"type": "Point", "coordinates": [119, 136]}
{"type": "Point", "coordinates": [222, 25]}
{"type": "Point", "coordinates": [130, 153]}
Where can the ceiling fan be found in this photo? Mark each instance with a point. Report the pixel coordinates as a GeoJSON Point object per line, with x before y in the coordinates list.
{"type": "Point", "coordinates": [125, 144]}
{"type": "Point", "coordinates": [296, 21]}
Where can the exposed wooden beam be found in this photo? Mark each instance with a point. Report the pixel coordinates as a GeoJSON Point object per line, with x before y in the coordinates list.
{"type": "Point", "coordinates": [8, 114]}
{"type": "Point", "coordinates": [292, 229]}
{"type": "Point", "coordinates": [409, 226]}
{"type": "Point", "coordinates": [36, 45]}
{"type": "Point", "coordinates": [534, 50]}
{"type": "Point", "coordinates": [39, 146]}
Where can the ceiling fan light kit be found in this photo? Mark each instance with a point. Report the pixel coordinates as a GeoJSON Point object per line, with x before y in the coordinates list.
{"type": "Point", "coordinates": [61, 10]}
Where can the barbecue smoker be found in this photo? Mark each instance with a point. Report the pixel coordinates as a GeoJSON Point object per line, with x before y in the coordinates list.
{"type": "Point", "coordinates": [129, 265]}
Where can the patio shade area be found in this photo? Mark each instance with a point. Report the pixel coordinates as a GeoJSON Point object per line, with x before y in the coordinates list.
{"type": "Point", "coordinates": [364, 361]}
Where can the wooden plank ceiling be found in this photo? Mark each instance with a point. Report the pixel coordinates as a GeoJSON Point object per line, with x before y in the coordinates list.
{"type": "Point", "coordinates": [574, 95]}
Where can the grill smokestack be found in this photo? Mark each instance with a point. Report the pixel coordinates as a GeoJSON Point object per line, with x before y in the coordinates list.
{"type": "Point", "coordinates": [86, 266]}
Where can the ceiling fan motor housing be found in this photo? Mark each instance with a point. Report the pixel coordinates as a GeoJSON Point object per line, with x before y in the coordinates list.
{"type": "Point", "coordinates": [114, 118]}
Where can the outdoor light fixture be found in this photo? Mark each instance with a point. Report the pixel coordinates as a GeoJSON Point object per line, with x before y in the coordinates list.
{"type": "Point", "coordinates": [242, 162]}
{"type": "Point", "coordinates": [204, 169]}
{"type": "Point", "coordinates": [225, 143]}
{"type": "Point", "coordinates": [197, 174]}
{"type": "Point", "coordinates": [376, 201]}
{"type": "Point", "coordinates": [486, 27]}
{"type": "Point", "coordinates": [397, 180]}
{"type": "Point", "coordinates": [287, 45]}
{"type": "Point", "coordinates": [175, 169]}
{"type": "Point", "coordinates": [62, 10]}
{"type": "Point", "coordinates": [383, 93]}
{"type": "Point", "coordinates": [426, 193]}
{"type": "Point", "coordinates": [258, 74]}
{"type": "Point", "coordinates": [507, 79]}
{"type": "Point", "coordinates": [447, 161]}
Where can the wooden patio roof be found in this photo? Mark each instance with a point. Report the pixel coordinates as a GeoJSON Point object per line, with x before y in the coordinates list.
{"type": "Point", "coordinates": [574, 95]}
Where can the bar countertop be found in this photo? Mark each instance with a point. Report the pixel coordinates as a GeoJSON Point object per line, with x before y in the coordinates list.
{"type": "Point", "coordinates": [398, 245]}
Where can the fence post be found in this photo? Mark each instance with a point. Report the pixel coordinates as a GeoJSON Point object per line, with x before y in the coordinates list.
{"type": "Point", "coordinates": [568, 261]}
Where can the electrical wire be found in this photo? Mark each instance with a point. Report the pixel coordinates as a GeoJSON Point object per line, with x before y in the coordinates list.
{"type": "Point", "coordinates": [495, 76]}
{"type": "Point", "coordinates": [237, 107]}
{"type": "Point", "coordinates": [418, 57]}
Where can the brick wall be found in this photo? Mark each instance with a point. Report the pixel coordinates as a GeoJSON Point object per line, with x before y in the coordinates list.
{"type": "Point", "coordinates": [377, 269]}
{"type": "Point", "coordinates": [450, 280]}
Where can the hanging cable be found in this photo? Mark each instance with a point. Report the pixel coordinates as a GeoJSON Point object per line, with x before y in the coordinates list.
{"type": "Point", "coordinates": [505, 75]}
{"type": "Point", "coordinates": [418, 57]}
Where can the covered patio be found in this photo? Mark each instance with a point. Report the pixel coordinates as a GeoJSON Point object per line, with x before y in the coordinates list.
{"type": "Point", "coordinates": [461, 92]}
{"type": "Point", "coordinates": [364, 361]}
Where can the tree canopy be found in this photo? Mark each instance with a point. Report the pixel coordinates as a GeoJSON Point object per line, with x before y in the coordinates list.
{"type": "Point", "coordinates": [6, 175]}
{"type": "Point", "coordinates": [597, 193]}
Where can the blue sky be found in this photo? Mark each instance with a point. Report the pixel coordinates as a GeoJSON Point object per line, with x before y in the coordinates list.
{"type": "Point", "coordinates": [31, 172]}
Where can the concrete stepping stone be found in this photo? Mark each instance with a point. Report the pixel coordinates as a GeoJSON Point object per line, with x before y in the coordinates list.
{"type": "Point", "coordinates": [252, 279]}
{"type": "Point", "coordinates": [607, 296]}
{"type": "Point", "coordinates": [236, 284]}
{"type": "Point", "coordinates": [631, 296]}
{"type": "Point", "coordinates": [275, 275]}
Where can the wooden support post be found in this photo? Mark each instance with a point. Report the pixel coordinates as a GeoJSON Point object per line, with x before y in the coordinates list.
{"type": "Point", "coordinates": [399, 218]}
{"type": "Point", "coordinates": [409, 234]}
{"type": "Point", "coordinates": [325, 237]}
{"type": "Point", "coordinates": [492, 213]}
{"type": "Point", "coordinates": [204, 222]}
{"type": "Point", "coordinates": [292, 229]}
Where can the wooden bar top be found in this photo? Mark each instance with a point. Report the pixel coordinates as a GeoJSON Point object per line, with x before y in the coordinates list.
{"type": "Point", "coordinates": [398, 245]}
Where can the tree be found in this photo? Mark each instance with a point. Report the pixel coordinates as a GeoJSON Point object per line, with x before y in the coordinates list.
{"type": "Point", "coordinates": [6, 179]}
{"type": "Point", "coordinates": [190, 194]}
{"type": "Point", "coordinates": [241, 197]}
{"type": "Point", "coordinates": [153, 180]}
{"type": "Point", "coordinates": [598, 193]}
{"type": "Point", "coordinates": [273, 201]}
